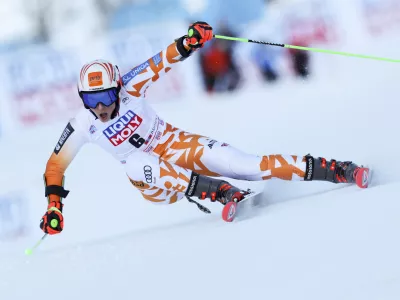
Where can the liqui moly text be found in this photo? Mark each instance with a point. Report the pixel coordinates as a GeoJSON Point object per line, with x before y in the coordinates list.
{"type": "Point", "coordinates": [123, 129]}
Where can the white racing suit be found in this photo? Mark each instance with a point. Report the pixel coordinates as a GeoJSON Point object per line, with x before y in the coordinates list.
{"type": "Point", "coordinates": [158, 157]}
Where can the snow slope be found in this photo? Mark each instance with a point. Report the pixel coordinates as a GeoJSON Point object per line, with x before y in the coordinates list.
{"type": "Point", "coordinates": [305, 241]}
{"type": "Point", "coordinates": [340, 245]}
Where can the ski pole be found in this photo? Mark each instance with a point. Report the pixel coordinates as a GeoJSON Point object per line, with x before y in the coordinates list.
{"type": "Point", "coordinates": [305, 48]}
{"type": "Point", "coordinates": [30, 250]}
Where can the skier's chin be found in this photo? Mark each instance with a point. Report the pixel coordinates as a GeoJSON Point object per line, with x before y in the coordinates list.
{"type": "Point", "coordinates": [104, 117]}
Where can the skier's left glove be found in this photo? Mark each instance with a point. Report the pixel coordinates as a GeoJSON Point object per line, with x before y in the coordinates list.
{"type": "Point", "coordinates": [53, 221]}
{"type": "Point", "coordinates": [198, 34]}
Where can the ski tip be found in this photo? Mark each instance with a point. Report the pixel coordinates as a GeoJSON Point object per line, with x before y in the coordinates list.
{"type": "Point", "coordinates": [229, 211]}
{"type": "Point", "coordinates": [363, 178]}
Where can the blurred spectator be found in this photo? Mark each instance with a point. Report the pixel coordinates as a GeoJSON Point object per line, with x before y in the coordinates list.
{"type": "Point", "coordinates": [300, 60]}
{"type": "Point", "coordinates": [217, 62]}
{"type": "Point", "coordinates": [308, 24]}
{"type": "Point", "coordinates": [265, 59]}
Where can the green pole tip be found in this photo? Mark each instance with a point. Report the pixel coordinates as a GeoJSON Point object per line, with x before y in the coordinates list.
{"type": "Point", "coordinates": [28, 251]}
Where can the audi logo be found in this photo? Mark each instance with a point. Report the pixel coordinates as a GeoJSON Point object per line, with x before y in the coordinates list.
{"type": "Point", "coordinates": [148, 174]}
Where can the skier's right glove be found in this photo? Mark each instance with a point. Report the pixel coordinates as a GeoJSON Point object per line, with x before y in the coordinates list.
{"type": "Point", "coordinates": [52, 221]}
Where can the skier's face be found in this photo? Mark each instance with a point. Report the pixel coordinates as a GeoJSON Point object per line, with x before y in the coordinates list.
{"type": "Point", "coordinates": [104, 112]}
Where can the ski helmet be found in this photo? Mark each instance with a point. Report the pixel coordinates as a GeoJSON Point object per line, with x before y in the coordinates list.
{"type": "Point", "coordinates": [99, 82]}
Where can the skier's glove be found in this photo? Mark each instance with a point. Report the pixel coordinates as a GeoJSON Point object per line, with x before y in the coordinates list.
{"type": "Point", "coordinates": [53, 221]}
{"type": "Point", "coordinates": [198, 34]}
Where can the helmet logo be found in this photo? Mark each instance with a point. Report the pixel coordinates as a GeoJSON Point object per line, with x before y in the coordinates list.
{"type": "Point", "coordinates": [95, 79]}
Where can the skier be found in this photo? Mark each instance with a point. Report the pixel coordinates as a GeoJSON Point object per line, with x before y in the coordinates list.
{"type": "Point", "coordinates": [163, 162]}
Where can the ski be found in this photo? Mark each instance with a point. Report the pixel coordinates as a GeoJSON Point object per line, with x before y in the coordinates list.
{"type": "Point", "coordinates": [363, 178]}
{"type": "Point", "coordinates": [230, 210]}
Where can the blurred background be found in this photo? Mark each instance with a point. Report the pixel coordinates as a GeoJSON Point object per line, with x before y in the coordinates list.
{"type": "Point", "coordinates": [43, 44]}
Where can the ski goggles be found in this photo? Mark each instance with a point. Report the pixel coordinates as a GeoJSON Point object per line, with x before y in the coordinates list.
{"type": "Point", "coordinates": [105, 97]}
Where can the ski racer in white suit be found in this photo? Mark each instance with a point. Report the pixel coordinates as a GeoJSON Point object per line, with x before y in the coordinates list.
{"type": "Point", "coordinates": [165, 163]}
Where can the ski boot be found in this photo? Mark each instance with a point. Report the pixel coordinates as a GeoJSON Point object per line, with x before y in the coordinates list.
{"type": "Point", "coordinates": [216, 190]}
{"type": "Point", "coordinates": [336, 171]}
{"type": "Point", "coordinates": [205, 187]}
